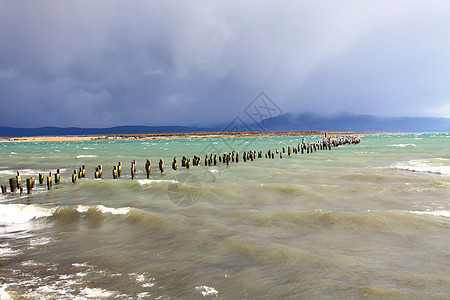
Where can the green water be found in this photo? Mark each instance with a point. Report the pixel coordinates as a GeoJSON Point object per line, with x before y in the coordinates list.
{"type": "Point", "coordinates": [366, 221]}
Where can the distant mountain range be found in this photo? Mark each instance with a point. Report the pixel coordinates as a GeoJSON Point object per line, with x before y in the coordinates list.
{"type": "Point", "coordinates": [288, 121]}
{"type": "Point", "coordinates": [353, 122]}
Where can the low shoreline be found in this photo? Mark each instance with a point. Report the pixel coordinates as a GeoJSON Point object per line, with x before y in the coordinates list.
{"type": "Point", "coordinates": [96, 137]}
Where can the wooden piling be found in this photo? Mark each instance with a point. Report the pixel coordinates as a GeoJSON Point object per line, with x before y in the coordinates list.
{"type": "Point", "coordinates": [114, 172]}
{"type": "Point", "coordinates": [174, 164]}
{"type": "Point", "coordinates": [18, 179]}
{"type": "Point", "coordinates": [21, 190]}
{"type": "Point", "coordinates": [41, 178]}
{"type": "Point", "coordinates": [29, 186]}
{"type": "Point", "coordinates": [132, 169]}
{"type": "Point", "coordinates": [148, 166]}
{"type": "Point", "coordinates": [83, 173]}
{"type": "Point", "coordinates": [57, 176]}
{"type": "Point", "coordinates": [215, 159]}
{"type": "Point", "coordinates": [100, 171]}
{"type": "Point", "coordinates": [49, 181]}
{"type": "Point", "coordinates": [4, 189]}
{"type": "Point", "coordinates": [161, 165]}
{"type": "Point", "coordinates": [119, 169]}
{"type": "Point", "coordinates": [13, 184]}
{"type": "Point", "coordinates": [74, 176]}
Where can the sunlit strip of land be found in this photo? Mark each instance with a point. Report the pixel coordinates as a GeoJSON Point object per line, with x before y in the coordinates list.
{"type": "Point", "coordinates": [62, 138]}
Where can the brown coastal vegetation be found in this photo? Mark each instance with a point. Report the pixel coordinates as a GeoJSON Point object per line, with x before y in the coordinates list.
{"type": "Point", "coordinates": [56, 138]}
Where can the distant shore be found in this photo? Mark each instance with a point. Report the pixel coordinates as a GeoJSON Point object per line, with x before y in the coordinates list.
{"type": "Point", "coordinates": [64, 138]}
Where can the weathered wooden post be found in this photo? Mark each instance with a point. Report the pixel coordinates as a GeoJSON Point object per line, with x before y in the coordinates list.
{"type": "Point", "coordinates": [20, 190]}
{"type": "Point", "coordinates": [100, 171]}
{"type": "Point", "coordinates": [132, 170]}
{"type": "Point", "coordinates": [289, 151]}
{"type": "Point", "coordinates": [74, 176]}
{"type": "Point", "coordinates": [49, 180]}
{"type": "Point", "coordinates": [284, 150]}
{"type": "Point", "coordinates": [174, 164]}
{"type": "Point", "coordinates": [215, 159]}
{"type": "Point", "coordinates": [18, 179]}
{"type": "Point", "coordinates": [3, 189]}
{"type": "Point", "coordinates": [13, 184]}
{"type": "Point", "coordinates": [119, 169]}
{"type": "Point", "coordinates": [58, 176]}
{"type": "Point", "coordinates": [83, 174]}
{"type": "Point", "coordinates": [273, 155]}
{"type": "Point", "coordinates": [161, 165]}
{"type": "Point", "coordinates": [237, 157]}
{"type": "Point", "coordinates": [188, 163]}
{"type": "Point", "coordinates": [244, 156]}
{"type": "Point", "coordinates": [41, 178]}
{"type": "Point", "coordinates": [114, 172]}
{"type": "Point", "coordinates": [29, 186]}
{"type": "Point", "coordinates": [96, 174]}
{"type": "Point", "coordinates": [148, 166]}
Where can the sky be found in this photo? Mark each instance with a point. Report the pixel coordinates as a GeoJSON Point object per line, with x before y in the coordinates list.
{"type": "Point", "coordinates": [200, 63]}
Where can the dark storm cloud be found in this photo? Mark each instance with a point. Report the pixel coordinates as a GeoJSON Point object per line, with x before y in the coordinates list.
{"type": "Point", "coordinates": [105, 63]}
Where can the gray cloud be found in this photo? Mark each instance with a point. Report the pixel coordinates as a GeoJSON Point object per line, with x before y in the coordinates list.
{"type": "Point", "coordinates": [105, 63]}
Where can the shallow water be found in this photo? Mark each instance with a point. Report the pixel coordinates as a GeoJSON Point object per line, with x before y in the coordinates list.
{"type": "Point", "coordinates": [364, 221]}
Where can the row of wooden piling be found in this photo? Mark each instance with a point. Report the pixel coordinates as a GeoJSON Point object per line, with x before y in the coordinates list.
{"type": "Point", "coordinates": [326, 143]}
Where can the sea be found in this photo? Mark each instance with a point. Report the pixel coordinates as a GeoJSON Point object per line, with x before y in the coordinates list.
{"type": "Point", "coordinates": [359, 221]}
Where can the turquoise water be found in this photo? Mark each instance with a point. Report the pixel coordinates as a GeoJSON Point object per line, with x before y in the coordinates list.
{"type": "Point", "coordinates": [367, 220]}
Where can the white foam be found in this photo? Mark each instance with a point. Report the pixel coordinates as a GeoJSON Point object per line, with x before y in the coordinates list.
{"type": "Point", "coordinates": [5, 252]}
{"type": "Point", "coordinates": [85, 264]}
{"type": "Point", "coordinates": [4, 294]}
{"type": "Point", "coordinates": [40, 241]}
{"type": "Point", "coordinates": [435, 165]}
{"type": "Point", "coordinates": [436, 213]}
{"type": "Point", "coordinates": [402, 145]}
{"type": "Point", "coordinates": [103, 209]}
{"type": "Point", "coordinates": [150, 181]}
{"type": "Point", "coordinates": [8, 172]}
{"type": "Point", "coordinates": [206, 290]}
{"type": "Point", "coordinates": [96, 293]}
{"type": "Point", "coordinates": [143, 295]}
{"type": "Point", "coordinates": [21, 213]}
{"type": "Point", "coordinates": [86, 155]}
{"type": "Point", "coordinates": [82, 208]}
{"type": "Point", "coordinates": [114, 211]}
